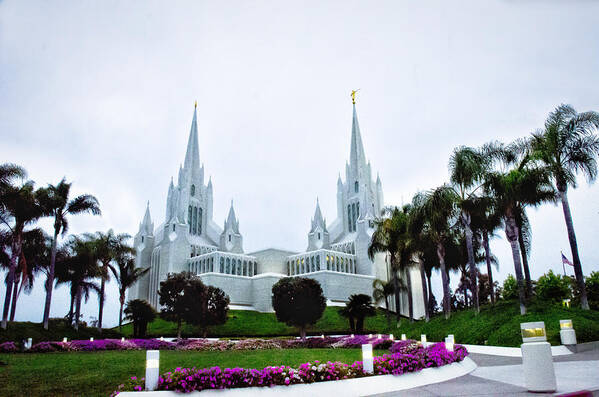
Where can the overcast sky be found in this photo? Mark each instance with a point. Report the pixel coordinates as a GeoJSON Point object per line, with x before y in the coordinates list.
{"type": "Point", "coordinates": [103, 93]}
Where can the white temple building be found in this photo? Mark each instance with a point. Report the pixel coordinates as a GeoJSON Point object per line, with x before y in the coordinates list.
{"type": "Point", "coordinates": [336, 255]}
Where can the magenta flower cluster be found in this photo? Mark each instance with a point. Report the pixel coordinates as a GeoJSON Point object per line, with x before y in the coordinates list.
{"type": "Point", "coordinates": [409, 356]}
{"type": "Point", "coordinates": [203, 344]}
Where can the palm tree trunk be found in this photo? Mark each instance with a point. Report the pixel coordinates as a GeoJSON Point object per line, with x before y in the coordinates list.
{"type": "Point", "coordinates": [511, 232]}
{"type": "Point", "coordinates": [70, 314]}
{"type": "Point", "coordinates": [424, 291]}
{"type": "Point", "coordinates": [397, 292]}
{"type": "Point", "coordinates": [15, 296]}
{"type": "Point", "coordinates": [430, 293]}
{"type": "Point", "coordinates": [101, 297]}
{"type": "Point", "coordinates": [122, 302]}
{"type": "Point", "coordinates": [524, 255]}
{"type": "Point", "coordinates": [574, 248]}
{"type": "Point", "coordinates": [445, 280]}
{"type": "Point", "coordinates": [50, 279]}
{"type": "Point", "coordinates": [410, 298]}
{"type": "Point", "coordinates": [10, 278]}
{"type": "Point", "coordinates": [471, 262]}
{"type": "Point", "coordinates": [488, 259]}
{"type": "Point", "coordinates": [78, 308]}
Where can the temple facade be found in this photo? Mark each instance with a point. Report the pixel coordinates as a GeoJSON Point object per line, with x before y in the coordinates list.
{"type": "Point", "coordinates": [336, 254]}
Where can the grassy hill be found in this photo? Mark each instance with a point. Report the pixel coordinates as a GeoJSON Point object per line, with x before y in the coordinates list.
{"type": "Point", "coordinates": [497, 325]}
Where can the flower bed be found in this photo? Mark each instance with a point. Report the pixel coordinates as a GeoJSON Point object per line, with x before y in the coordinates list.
{"type": "Point", "coordinates": [202, 344]}
{"type": "Point", "coordinates": [407, 356]}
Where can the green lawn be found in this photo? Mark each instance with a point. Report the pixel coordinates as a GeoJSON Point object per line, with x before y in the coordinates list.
{"type": "Point", "coordinates": [99, 373]}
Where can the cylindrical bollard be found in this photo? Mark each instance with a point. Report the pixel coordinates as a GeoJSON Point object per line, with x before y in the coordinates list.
{"type": "Point", "coordinates": [367, 359]}
{"type": "Point", "coordinates": [403, 337]}
{"type": "Point", "coordinates": [537, 362]}
{"type": "Point", "coordinates": [29, 343]}
{"type": "Point", "coordinates": [567, 333]}
{"type": "Point", "coordinates": [152, 369]}
{"type": "Point", "coordinates": [64, 340]}
{"type": "Point", "coordinates": [423, 339]}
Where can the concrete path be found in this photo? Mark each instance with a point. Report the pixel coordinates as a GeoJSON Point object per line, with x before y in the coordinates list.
{"type": "Point", "coordinates": [502, 376]}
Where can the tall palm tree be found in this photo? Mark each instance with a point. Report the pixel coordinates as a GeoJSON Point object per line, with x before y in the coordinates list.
{"type": "Point", "coordinates": [19, 208]}
{"type": "Point", "coordinates": [525, 243]}
{"type": "Point", "coordinates": [126, 277]}
{"type": "Point", "coordinates": [381, 290]}
{"type": "Point", "coordinates": [79, 268]}
{"type": "Point", "coordinates": [56, 203]}
{"type": "Point", "coordinates": [30, 263]}
{"type": "Point", "coordinates": [485, 220]}
{"type": "Point", "coordinates": [439, 211]}
{"type": "Point", "coordinates": [109, 247]}
{"type": "Point", "coordinates": [519, 182]}
{"type": "Point", "coordinates": [467, 167]}
{"type": "Point", "coordinates": [568, 145]}
{"type": "Point", "coordinates": [391, 236]}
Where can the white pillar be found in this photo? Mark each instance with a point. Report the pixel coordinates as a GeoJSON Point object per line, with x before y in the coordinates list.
{"type": "Point", "coordinates": [537, 365]}
{"type": "Point", "coordinates": [367, 359]}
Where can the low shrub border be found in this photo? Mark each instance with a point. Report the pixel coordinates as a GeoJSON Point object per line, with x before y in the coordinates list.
{"type": "Point", "coordinates": [406, 356]}
{"type": "Point", "coordinates": [201, 344]}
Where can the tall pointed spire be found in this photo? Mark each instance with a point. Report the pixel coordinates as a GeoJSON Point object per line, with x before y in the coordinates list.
{"type": "Point", "coordinates": [146, 226]}
{"type": "Point", "coordinates": [231, 221]}
{"type": "Point", "coordinates": [357, 159]}
{"type": "Point", "coordinates": [192, 156]}
{"type": "Point", "coordinates": [318, 220]}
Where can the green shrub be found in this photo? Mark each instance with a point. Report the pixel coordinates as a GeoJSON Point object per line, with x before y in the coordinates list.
{"type": "Point", "coordinates": [553, 287]}
{"type": "Point", "coordinates": [592, 287]}
{"type": "Point", "coordinates": [510, 288]}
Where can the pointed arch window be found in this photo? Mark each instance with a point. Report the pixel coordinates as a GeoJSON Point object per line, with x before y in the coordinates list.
{"type": "Point", "coordinates": [193, 190]}
{"type": "Point", "coordinates": [356, 187]}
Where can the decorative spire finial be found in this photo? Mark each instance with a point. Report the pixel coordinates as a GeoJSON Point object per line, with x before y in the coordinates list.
{"type": "Point", "coordinates": [195, 105]}
{"type": "Point", "coordinates": [353, 96]}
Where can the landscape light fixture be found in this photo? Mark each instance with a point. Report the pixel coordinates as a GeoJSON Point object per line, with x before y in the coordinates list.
{"type": "Point", "coordinates": [566, 303]}
{"type": "Point", "coordinates": [367, 359]}
{"type": "Point", "coordinates": [379, 336]}
{"type": "Point", "coordinates": [64, 340]}
{"type": "Point", "coordinates": [152, 369]}
{"type": "Point", "coordinates": [449, 344]}
{"type": "Point", "coordinates": [91, 339]}
{"type": "Point", "coordinates": [423, 339]}
{"type": "Point", "coordinates": [537, 360]}
{"type": "Point", "coordinates": [122, 339]}
{"type": "Point", "coordinates": [403, 337]}
{"type": "Point", "coordinates": [567, 333]}
{"type": "Point", "coordinates": [391, 337]}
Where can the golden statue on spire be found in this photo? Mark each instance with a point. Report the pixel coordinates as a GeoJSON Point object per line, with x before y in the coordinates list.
{"type": "Point", "coordinates": [195, 105]}
{"type": "Point", "coordinates": [353, 96]}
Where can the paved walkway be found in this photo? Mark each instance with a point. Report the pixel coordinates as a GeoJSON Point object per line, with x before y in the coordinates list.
{"type": "Point", "coordinates": [502, 376]}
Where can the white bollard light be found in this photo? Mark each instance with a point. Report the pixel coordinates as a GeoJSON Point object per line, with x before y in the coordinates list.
{"type": "Point", "coordinates": [450, 336]}
{"type": "Point", "coordinates": [122, 339]}
{"type": "Point", "coordinates": [449, 344]}
{"type": "Point", "coordinates": [423, 339]}
{"type": "Point", "coordinates": [64, 340]}
{"type": "Point", "coordinates": [537, 361]}
{"type": "Point", "coordinates": [91, 339]}
{"type": "Point", "coordinates": [161, 339]}
{"type": "Point", "coordinates": [28, 344]}
{"type": "Point", "coordinates": [403, 337]}
{"type": "Point", "coordinates": [322, 336]}
{"type": "Point", "coordinates": [367, 359]}
{"type": "Point", "coordinates": [391, 337]}
{"type": "Point", "coordinates": [351, 336]}
{"type": "Point", "coordinates": [152, 369]}
{"type": "Point", "coordinates": [379, 336]}
{"type": "Point", "coordinates": [369, 336]}
{"type": "Point", "coordinates": [567, 333]}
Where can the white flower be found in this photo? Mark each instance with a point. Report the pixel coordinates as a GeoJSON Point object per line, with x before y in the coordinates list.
{"type": "Point", "coordinates": [313, 368]}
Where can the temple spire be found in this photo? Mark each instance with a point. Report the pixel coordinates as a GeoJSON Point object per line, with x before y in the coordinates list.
{"type": "Point", "coordinates": [192, 156]}
{"type": "Point", "coordinates": [357, 159]}
{"type": "Point", "coordinates": [146, 226]}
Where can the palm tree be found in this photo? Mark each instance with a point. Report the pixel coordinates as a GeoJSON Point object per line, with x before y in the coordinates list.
{"type": "Point", "coordinates": [19, 205]}
{"type": "Point", "coordinates": [485, 220]}
{"type": "Point", "coordinates": [56, 203]}
{"type": "Point", "coordinates": [467, 167]}
{"type": "Point", "coordinates": [390, 236]}
{"type": "Point", "coordinates": [79, 268]}
{"type": "Point", "coordinates": [30, 263]}
{"type": "Point", "coordinates": [567, 145]}
{"type": "Point", "coordinates": [126, 277]}
{"type": "Point", "coordinates": [140, 313]}
{"type": "Point", "coordinates": [356, 309]}
{"type": "Point", "coordinates": [381, 291]}
{"type": "Point", "coordinates": [438, 210]}
{"type": "Point", "coordinates": [109, 247]}
{"type": "Point", "coordinates": [525, 243]}
{"type": "Point", "coordinates": [519, 182]}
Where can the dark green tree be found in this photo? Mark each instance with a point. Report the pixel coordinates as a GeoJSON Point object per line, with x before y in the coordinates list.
{"type": "Point", "coordinates": [207, 305]}
{"type": "Point", "coordinates": [141, 314]}
{"type": "Point", "coordinates": [298, 302]}
{"type": "Point", "coordinates": [173, 302]}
